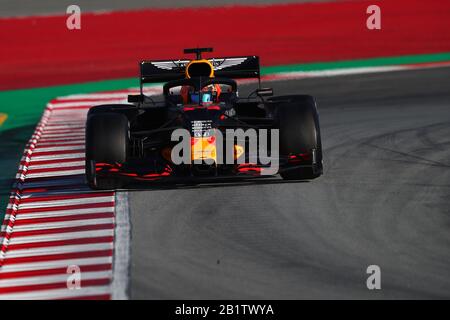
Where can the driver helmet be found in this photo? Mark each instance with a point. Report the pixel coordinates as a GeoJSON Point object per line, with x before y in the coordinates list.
{"type": "Point", "coordinates": [209, 94]}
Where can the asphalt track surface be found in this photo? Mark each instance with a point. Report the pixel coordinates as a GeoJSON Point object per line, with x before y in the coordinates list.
{"type": "Point", "coordinates": [17, 8]}
{"type": "Point", "coordinates": [383, 200]}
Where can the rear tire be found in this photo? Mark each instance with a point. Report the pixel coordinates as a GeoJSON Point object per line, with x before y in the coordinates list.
{"type": "Point", "coordinates": [299, 133]}
{"type": "Point", "coordinates": [107, 136]}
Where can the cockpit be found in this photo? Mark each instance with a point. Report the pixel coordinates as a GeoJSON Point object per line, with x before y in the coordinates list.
{"type": "Point", "coordinates": [200, 91]}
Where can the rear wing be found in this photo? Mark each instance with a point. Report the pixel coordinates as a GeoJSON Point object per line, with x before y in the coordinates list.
{"type": "Point", "coordinates": [227, 67]}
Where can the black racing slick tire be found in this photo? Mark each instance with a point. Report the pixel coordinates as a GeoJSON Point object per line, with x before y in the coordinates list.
{"type": "Point", "coordinates": [299, 133]}
{"type": "Point", "coordinates": [107, 140]}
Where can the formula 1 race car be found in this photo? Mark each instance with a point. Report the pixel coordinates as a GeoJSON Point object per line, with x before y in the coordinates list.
{"type": "Point", "coordinates": [202, 129]}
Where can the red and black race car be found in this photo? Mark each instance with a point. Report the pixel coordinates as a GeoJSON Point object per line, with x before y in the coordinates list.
{"type": "Point", "coordinates": [201, 128]}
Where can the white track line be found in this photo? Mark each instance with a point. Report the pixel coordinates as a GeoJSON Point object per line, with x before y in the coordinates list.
{"type": "Point", "coordinates": [65, 202]}
{"type": "Point", "coordinates": [60, 142]}
{"type": "Point", "coordinates": [26, 281]}
{"type": "Point", "coordinates": [32, 252]}
{"type": "Point", "coordinates": [121, 96]}
{"type": "Point", "coordinates": [61, 236]}
{"type": "Point", "coordinates": [97, 96]}
{"type": "Point", "coordinates": [68, 126]}
{"type": "Point", "coordinates": [59, 156]}
{"type": "Point", "coordinates": [121, 257]}
{"type": "Point", "coordinates": [45, 265]}
{"type": "Point", "coordinates": [30, 216]}
{"type": "Point", "coordinates": [57, 105]}
{"type": "Point", "coordinates": [61, 135]}
{"type": "Point", "coordinates": [64, 216]}
{"type": "Point", "coordinates": [57, 213]}
{"type": "Point", "coordinates": [56, 174]}
{"type": "Point", "coordinates": [64, 224]}
{"type": "Point", "coordinates": [79, 142]}
{"type": "Point", "coordinates": [61, 165]}
{"type": "Point", "coordinates": [58, 293]}
{"type": "Point", "coordinates": [59, 148]}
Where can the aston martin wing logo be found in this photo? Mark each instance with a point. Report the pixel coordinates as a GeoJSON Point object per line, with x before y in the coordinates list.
{"type": "Point", "coordinates": [170, 65]}
{"type": "Point", "coordinates": [220, 64]}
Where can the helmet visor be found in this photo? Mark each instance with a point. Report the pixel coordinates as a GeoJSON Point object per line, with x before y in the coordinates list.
{"type": "Point", "coordinates": [206, 97]}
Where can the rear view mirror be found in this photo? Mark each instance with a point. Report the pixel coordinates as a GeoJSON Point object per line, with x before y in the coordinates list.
{"type": "Point", "coordinates": [139, 98]}
{"type": "Point", "coordinates": [264, 92]}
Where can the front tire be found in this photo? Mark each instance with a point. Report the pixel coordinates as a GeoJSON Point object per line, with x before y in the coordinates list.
{"type": "Point", "coordinates": [107, 137]}
{"type": "Point", "coordinates": [300, 134]}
